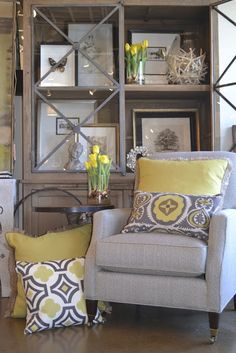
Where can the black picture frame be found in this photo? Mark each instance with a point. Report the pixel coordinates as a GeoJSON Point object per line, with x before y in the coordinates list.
{"type": "Point", "coordinates": [166, 130]}
{"type": "Point", "coordinates": [233, 148]}
{"type": "Point", "coordinates": [63, 127]}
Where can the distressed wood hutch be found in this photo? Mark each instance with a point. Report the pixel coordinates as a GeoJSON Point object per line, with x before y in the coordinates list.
{"type": "Point", "coordinates": [92, 94]}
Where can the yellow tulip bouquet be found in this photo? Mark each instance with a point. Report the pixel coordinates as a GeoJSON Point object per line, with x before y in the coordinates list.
{"type": "Point", "coordinates": [135, 58]}
{"type": "Point", "coordinates": [98, 169]}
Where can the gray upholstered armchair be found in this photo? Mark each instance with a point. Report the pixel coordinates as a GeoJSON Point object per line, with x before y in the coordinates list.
{"type": "Point", "coordinates": [167, 270]}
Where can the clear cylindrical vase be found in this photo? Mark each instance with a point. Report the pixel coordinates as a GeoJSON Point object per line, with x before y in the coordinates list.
{"type": "Point", "coordinates": [98, 191]}
{"type": "Point", "coordinates": [140, 78]}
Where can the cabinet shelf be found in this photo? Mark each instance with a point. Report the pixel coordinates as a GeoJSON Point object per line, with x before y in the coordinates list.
{"type": "Point", "coordinates": [163, 91]}
{"type": "Point", "coordinates": [167, 88]}
{"type": "Point", "coordinates": [75, 92]}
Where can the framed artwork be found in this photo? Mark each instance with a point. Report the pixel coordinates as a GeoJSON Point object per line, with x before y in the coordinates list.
{"type": "Point", "coordinates": [99, 47]}
{"type": "Point", "coordinates": [51, 129]}
{"type": "Point", "coordinates": [63, 127]}
{"type": "Point", "coordinates": [166, 130]}
{"type": "Point", "coordinates": [103, 135]}
{"type": "Point", "coordinates": [64, 74]}
{"type": "Point", "coordinates": [233, 148]}
{"type": "Point", "coordinates": [159, 46]}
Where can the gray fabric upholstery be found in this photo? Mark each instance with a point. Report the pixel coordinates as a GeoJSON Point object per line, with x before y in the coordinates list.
{"type": "Point", "coordinates": [176, 292]}
{"type": "Point", "coordinates": [152, 253]}
{"type": "Point", "coordinates": [161, 269]}
{"type": "Point", "coordinates": [105, 224]}
{"type": "Point", "coordinates": [221, 260]}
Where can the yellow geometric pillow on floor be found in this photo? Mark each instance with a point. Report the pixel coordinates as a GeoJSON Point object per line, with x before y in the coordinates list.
{"type": "Point", "coordinates": [54, 293]}
{"type": "Point", "coordinates": [58, 245]}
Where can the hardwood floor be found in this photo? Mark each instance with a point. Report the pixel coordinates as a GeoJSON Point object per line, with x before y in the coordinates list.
{"type": "Point", "coordinates": [148, 330]}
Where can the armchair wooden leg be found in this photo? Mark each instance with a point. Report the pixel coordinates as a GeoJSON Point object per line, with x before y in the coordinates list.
{"type": "Point", "coordinates": [91, 310]}
{"type": "Point", "coordinates": [214, 324]}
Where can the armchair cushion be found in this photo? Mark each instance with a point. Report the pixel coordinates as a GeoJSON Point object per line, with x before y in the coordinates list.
{"type": "Point", "coordinates": [153, 254]}
{"type": "Point", "coordinates": [172, 213]}
{"type": "Point", "coordinates": [195, 176]}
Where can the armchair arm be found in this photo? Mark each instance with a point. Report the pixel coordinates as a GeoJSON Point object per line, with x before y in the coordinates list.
{"type": "Point", "coordinates": [105, 224]}
{"type": "Point", "coordinates": [109, 222]}
{"type": "Point", "coordinates": [221, 260]}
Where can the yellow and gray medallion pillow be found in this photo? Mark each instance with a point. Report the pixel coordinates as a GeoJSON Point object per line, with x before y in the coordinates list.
{"type": "Point", "coordinates": [172, 213]}
{"type": "Point", "coordinates": [54, 293]}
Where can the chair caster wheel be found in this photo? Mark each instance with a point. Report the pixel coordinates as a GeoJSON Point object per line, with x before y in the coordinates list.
{"type": "Point", "coordinates": [213, 339]}
{"type": "Point", "coordinates": [214, 333]}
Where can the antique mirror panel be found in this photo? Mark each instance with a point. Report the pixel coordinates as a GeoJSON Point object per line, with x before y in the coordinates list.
{"type": "Point", "coordinates": [7, 30]}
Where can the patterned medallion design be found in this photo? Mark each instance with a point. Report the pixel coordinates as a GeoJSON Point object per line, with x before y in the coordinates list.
{"type": "Point", "coordinates": [54, 293]}
{"type": "Point", "coordinates": [172, 213]}
{"type": "Point", "coordinates": [168, 208]}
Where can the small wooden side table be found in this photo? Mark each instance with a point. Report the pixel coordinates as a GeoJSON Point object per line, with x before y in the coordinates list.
{"type": "Point", "coordinates": [76, 214]}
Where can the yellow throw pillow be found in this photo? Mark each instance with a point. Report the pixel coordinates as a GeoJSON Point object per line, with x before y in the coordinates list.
{"type": "Point", "coordinates": [52, 246]}
{"type": "Point", "coordinates": [195, 177]}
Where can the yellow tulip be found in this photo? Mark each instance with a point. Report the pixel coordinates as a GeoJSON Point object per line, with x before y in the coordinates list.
{"type": "Point", "coordinates": [104, 159]}
{"type": "Point", "coordinates": [139, 46]}
{"type": "Point", "coordinates": [133, 49]}
{"type": "Point", "coordinates": [93, 157]}
{"type": "Point", "coordinates": [87, 165]}
{"type": "Point", "coordinates": [94, 164]}
{"type": "Point", "coordinates": [127, 47]}
{"type": "Point", "coordinates": [144, 43]}
{"type": "Point", "coordinates": [96, 149]}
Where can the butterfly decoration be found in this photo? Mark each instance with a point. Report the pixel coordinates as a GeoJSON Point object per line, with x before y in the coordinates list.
{"type": "Point", "coordinates": [60, 67]}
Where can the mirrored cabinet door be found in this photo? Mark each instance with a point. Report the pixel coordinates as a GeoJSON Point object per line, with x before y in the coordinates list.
{"type": "Point", "coordinates": [7, 33]}
{"type": "Point", "coordinates": [76, 94]}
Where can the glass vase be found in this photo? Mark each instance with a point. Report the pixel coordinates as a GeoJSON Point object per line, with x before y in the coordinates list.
{"type": "Point", "coordinates": [140, 76]}
{"type": "Point", "coordinates": [136, 74]}
{"type": "Point", "coordinates": [98, 191]}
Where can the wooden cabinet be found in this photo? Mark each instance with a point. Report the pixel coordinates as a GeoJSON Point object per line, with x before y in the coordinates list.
{"type": "Point", "coordinates": [75, 91]}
